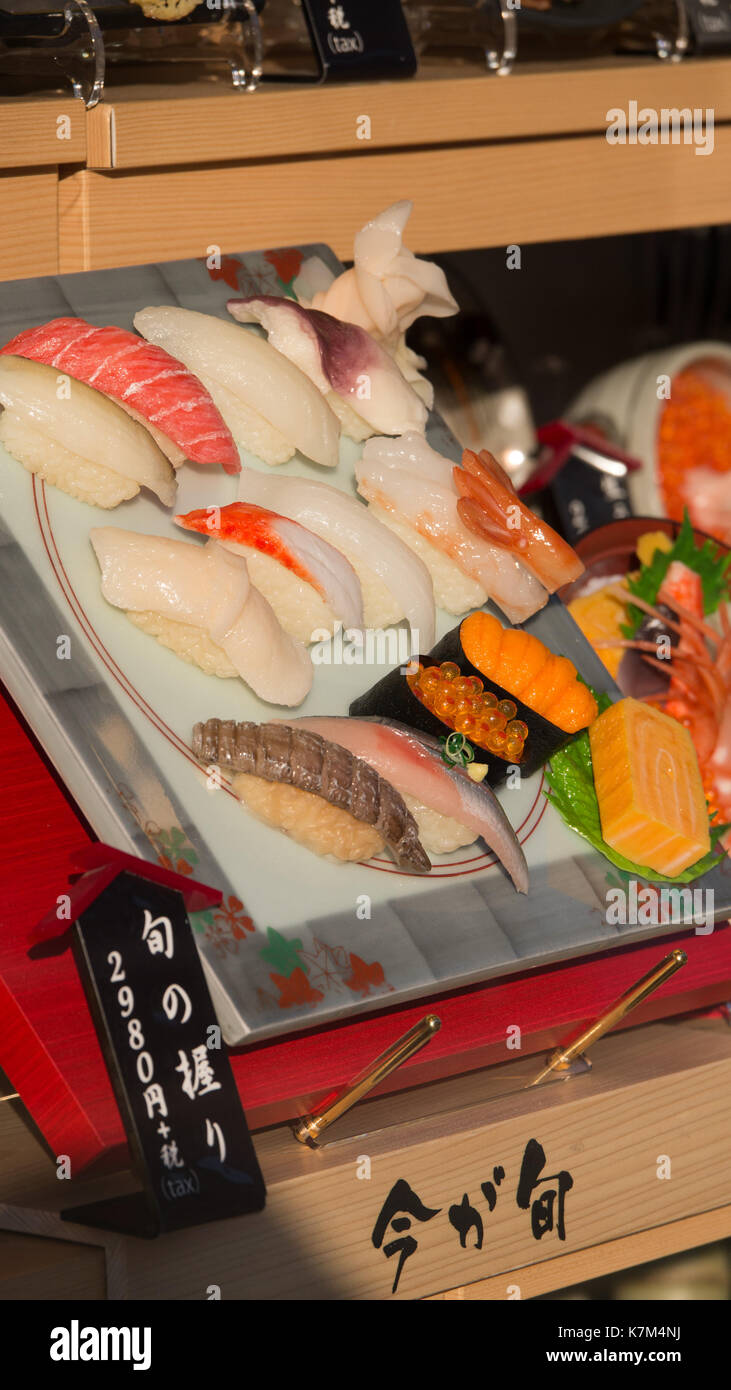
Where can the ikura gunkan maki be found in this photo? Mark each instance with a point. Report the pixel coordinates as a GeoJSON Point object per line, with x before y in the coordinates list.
{"type": "Point", "coordinates": [446, 692]}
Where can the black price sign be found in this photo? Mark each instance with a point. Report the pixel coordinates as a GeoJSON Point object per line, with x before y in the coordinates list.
{"type": "Point", "coordinates": [710, 23]}
{"type": "Point", "coordinates": [171, 1075]}
{"type": "Point", "coordinates": [585, 497]}
{"type": "Point", "coordinates": [357, 40]}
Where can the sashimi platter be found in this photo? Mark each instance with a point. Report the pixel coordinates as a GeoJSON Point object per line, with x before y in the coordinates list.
{"type": "Point", "coordinates": [280, 632]}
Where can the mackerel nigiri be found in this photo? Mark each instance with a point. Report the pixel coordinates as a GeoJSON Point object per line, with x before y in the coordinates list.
{"type": "Point", "coordinates": [76, 438]}
{"type": "Point", "coordinates": [144, 379]}
{"type": "Point", "coordinates": [362, 382]}
{"type": "Point", "coordinates": [271, 407]}
{"type": "Point", "coordinates": [313, 790]}
{"type": "Point", "coordinates": [449, 808]}
{"type": "Point", "coordinates": [394, 581]}
{"type": "Point", "coordinates": [199, 602]}
{"type": "Point", "coordinates": [310, 585]}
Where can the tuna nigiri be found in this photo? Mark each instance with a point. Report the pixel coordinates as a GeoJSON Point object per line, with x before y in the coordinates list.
{"type": "Point", "coordinates": [449, 808]}
{"type": "Point", "coordinates": [395, 583]}
{"type": "Point", "coordinates": [309, 583]}
{"type": "Point", "coordinates": [270, 406]}
{"type": "Point", "coordinates": [314, 790]}
{"type": "Point", "coordinates": [144, 379]}
{"type": "Point", "coordinates": [199, 602]}
{"type": "Point", "coordinates": [410, 487]}
{"type": "Point", "coordinates": [359, 378]}
{"type": "Point", "coordinates": [76, 439]}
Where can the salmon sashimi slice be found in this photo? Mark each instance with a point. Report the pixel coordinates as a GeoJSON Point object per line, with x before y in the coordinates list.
{"type": "Point", "coordinates": [152, 386]}
{"type": "Point", "coordinates": [649, 788]}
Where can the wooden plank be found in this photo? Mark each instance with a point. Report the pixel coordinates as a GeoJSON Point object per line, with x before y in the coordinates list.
{"type": "Point", "coordinates": [41, 130]}
{"type": "Point", "coordinates": [28, 224]}
{"type": "Point", "coordinates": [471, 196]}
{"type": "Point", "coordinates": [599, 1260]}
{"type": "Point", "coordinates": [659, 1093]}
{"type": "Point", "coordinates": [38, 1269]}
{"type": "Point", "coordinates": [197, 126]}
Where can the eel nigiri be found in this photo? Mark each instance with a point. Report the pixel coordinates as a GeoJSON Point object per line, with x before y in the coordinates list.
{"type": "Point", "coordinates": [314, 790]}
{"type": "Point", "coordinates": [449, 808]}
{"type": "Point", "coordinates": [271, 407]}
{"type": "Point", "coordinates": [199, 602]}
{"type": "Point", "coordinates": [491, 509]}
{"type": "Point", "coordinates": [146, 381]}
{"type": "Point", "coordinates": [309, 583]}
{"type": "Point", "coordinates": [76, 438]}
{"type": "Point", "coordinates": [395, 583]}
{"type": "Point", "coordinates": [359, 378]}
{"type": "Point", "coordinates": [410, 487]}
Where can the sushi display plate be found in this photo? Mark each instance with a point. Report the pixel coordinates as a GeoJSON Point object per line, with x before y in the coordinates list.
{"type": "Point", "coordinates": [298, 941]}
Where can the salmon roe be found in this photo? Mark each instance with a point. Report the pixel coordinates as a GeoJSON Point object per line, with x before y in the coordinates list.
{"type": "Point", "coordinates": [462, 703]}
{"type": "Point", "coordinates": [694, 432]}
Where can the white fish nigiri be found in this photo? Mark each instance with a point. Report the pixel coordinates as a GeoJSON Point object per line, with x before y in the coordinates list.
{"type": "Point", "coordinates": [270, 406]}
{"type": "Point", "coordinates": [310, 585]}
{"type": "Point", "coordinates": [199, 602]}
{"type": "Point", "coordinates": [359, 378]}
{"type": "Point", "coordinates": [394, 581]}
{"type": "Point", "coordinates": [449, 808]}
{"type": "Point", "coordinates": [412, 489]}
{"type": "Point", "coordinates": [76, 438]}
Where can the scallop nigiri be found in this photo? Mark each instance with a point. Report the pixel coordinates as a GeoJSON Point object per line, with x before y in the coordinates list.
{"type": "Point", "coordinates": [271, 407]}
{"type": "Point", "coordinates": [309, 584]}
{"type": "Point", "coordinates": [394, 582]}
{"type": "Point", "coordinates": [410, 488]}
{"type": "Point", "coordinates": [362, 382]}
{"type": "Point", "coordinates": [76, 439]}
{"type": "Point", "coordinates": [449, 808]}
{"type": "Point", "coordinates": [200, 602]}
{"type": "Point", "coordinates": [146, 381]}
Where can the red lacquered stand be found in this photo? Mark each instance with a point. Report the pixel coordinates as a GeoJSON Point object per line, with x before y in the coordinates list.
{"type": "Point", "coordinates": [49, 1049]}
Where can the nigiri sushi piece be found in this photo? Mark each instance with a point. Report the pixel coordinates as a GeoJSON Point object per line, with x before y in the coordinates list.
{"type": "Point", "coordinates": [314, 790]}
{"type": "Point", "coordinates": [449, 808]}
{"type": "Point", "coordinates": [146, 381]}
{"type": "Point", "coordinates": [395, 583]}
{"type": "Point", "coordinates": [490, 508]}
{"type": "Point", "coordinates": [309, 584]}
{"type": "Point", "coordinates": [359, 378]}
{"type": "Point", "coordinates": [270, 406]}
{"type": "Point", "coordinates": [76, 439]}
{"type": "Point", "coordinates": [200, 602]}
{"type": "Point", "coordinates": [411, 489]}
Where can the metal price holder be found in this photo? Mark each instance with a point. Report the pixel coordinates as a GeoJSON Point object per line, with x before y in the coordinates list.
{"type": "Point", "coordinates": [75, 44]}
{"type": "Point", "coordinates": [567, 1061]}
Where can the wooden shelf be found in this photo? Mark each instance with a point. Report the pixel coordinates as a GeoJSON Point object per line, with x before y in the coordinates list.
{"type": "Point", "coordinates": [41, 130]}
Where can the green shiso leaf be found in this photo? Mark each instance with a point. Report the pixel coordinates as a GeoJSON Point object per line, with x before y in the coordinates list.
{"type": "Point", "coordinates": [570, 778]}
{"type": "Point", "coordinates": [706, 560]}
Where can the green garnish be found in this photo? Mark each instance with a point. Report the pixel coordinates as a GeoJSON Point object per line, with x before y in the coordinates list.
{"type": "Point", "coordinates": [570, 777]}
{"type": "Point", "coordinates": [706, 560]}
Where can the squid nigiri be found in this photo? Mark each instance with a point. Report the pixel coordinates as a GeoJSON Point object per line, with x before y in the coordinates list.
{"type": "Point", "coordinates": [395, 583]}
{"type": "Point", "coordinates": [308, 583]}
{"type": "Point", "coordinates": [271, 407]}
{"type": "Point", "coordinates": [146, 381]}
{"type": "Point", "coordinates": [449, 808]}
{"type": "Point", "coordinates": [490, 507]}
{"type": "Point", "coordinates": [199, 602]}
{"type": "Point", "coordinates": [314, 790]}
{"type": "Point", "coordinates": [76, 439]}
{"type": "Point", "coordinates": [359, 378]}
{"type": "Point", "coordinates": [410, 487]}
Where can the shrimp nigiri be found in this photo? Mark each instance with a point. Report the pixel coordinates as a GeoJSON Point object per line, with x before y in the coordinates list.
{"type": "Point", "coordinates": [271, 407]}
{"type": "Point", "coordinates": [199, 602]}
{"type": "Point", "coordinates": [411, 489]}
{"type": "Point", "coordinates": [491, 509]}
{"type": "Point", "coordinates": [309, 584]}
{"type": "Point", "coordinates": [145, 380]}
{"type": "Point", "coordinates": [449, 808]}
{"type": "Point", "coordinates": [361, 381]}
{"type": "Point", "coordinates": [395, 582]}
